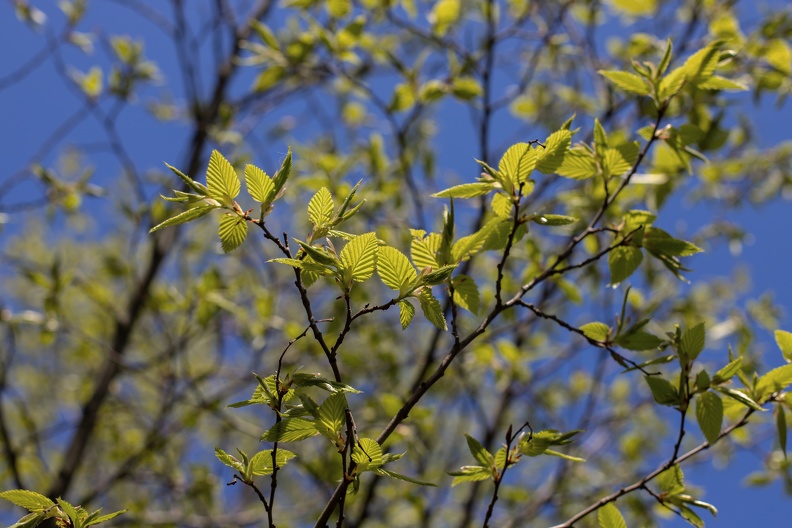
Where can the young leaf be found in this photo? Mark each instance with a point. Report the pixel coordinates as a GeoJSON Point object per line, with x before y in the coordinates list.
{"type": "Point", "coordinates": [609, 516]}
{"type": "Point", "coordinates": [406, 313]}
{"type": "Point", "coordinates": [304, 264]}
{"type": "Point", "coordinates": [552, 155]}
{"type": "Point", "coordinates": [740, 397]}
{"type": "Point", "coordinates": [466, 190]}
{"type": "Point", "coordinates": [395, 270]}
{"type": "Point", "coordinates": [623, 261]}
{"type": "Point", "coordinates": [784, 341]}
{"type": "Point", "coordinates": [775, 380]}
{"type": "Point", "coordinates": [259, 185]}
{"type": "Point", "coordinates": [423, 251]}
{"type": "Point", "coordinates": [596, 331]}
{"type": "Point", "coordinates": [662, 391]}
{"type": "Point", "coordinates": [321, 207]}
{"type": "Point", "coordinates": [470, 474]}
{"type": "Point", "coordinates": [466, 293]}
{"type": "Point", "coordinates": [192, 184]}
{"type": "Point", "coordinates": [359, 257]}
{"type": "Point", "coordinates": [479, 452]}
{"type": "Point", "coordinates": [367, 454]}
{"type": "Point", "coordinates": [578, 164]}
{"type": "Point", "coordinates": [399, 476]}
{"type": "Point", "coordinates": [261, 462]}
{"type": "Point", "coordinates": [104, 518]}
{"type": "Point", "coordinates": [318, 255]}
{"type": "Point", "coordinates": [639, 340]}
{"type": "Point", "coordinates": [692, 342]}
{"type": "Point", "coordinates": [671, 481]}
{"type": "Point", "coordinates": [332, 412]}
{"type": "Point", "coordinates": [186, 216]}
{"type": "Point", "coordinates": [290, 430]}
{"type": "Point", "coordinates": [629, 82]}
{"type": "Point", "coordinates": [518, 162]}
{"type": "Point", "coordinates": [279, 180]}
{"type": "Point", "coordinates": [554, 220]}
{"type": "Point", "coordinates": [222, 179]}
{"type": "Point", "coordinates": [727, 372]}
{"type": "Point", "coordinates": [709, 413]}
{"type": "Point", "coordinates": [30, 500]}
{"type": "Point", "coordinates": [431, 309]}
{"type": "Point", "coordinates": [233, 231]}
{"type": "Point", "coordinates": [229, 460]}
{"type": "Point", "coordinates": [302, 379]}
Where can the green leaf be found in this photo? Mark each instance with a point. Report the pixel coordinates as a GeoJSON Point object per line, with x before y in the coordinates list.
{"type": "Point", "coordinates": [279, 180]}
{"type": "Point", "coordinates": [332, 412]}
{"type": "Point", "coordinates": [186, 216]}
{"type": "Point", "coordinates": [692, 342]}
{"type": "Point", "coordinates": [399, 476]}
{"type": "Point", "coordinates": [192, 184]}
{"type": "Point", "coordinates": [466, 293]}
{"type": "Point", "coordinates": [233, 231]}
{"type": "Point", "coordinates": [470, 474]}
{"type": "Point", "coordinates": [639, 340]}
{"type": "Point", "coordinates": [558, 454]}
{"type": "Point", "coordinates": [554, 220]}
{"type": "Point", "coordinates": [319, 255]}
{"type": "Point", "coordinates": [467, 246]}
{"type": "Point", "coordinates": [222, 179]}
{"type": "Point", "coordinates": [596, 331]}
{"type": "Point", "coordinates": [105, 518]}
{"type": "Point", "coordinates": [774, 381]}
{"type": "Point", "coordinates": [261, 462]}
{"type": "Point", "coordinates": [551, 157]}
{"type": "Point", "coordinates": [709, 413]}
{"type": "Point", "coordinates": [303, 265]}
{"type": "Point", "coordinates": [268, 77]}
{"type": "Point", "coordinates": [740, 397]}
{"type": "Point", "coordinates": [671, 481]}
{"type": "Point", "coordinates": [423, 251]}
{"type": "Point", "coordinates": [444, 15]}
{"type": "Point", "coordinates": [403, 98]}
{"type": "Point", "coordinates": [259, 185]}
{"type": "Point", "coordinates": [290, 430]}
{"type": "Point", "coordinates": [466, 88]}
{"type": "Point", "coordinates": [657, 240]}
{"type": "Point", "coordinates": [479, 452]}
{"type": "Point", "coordinates": [302, 379]}
{"type": "Point", "coordinates": [578, 164]}
{"type": "Point", "coordinates": [31, 520]}
{"type": "Point", "coordinates": [321, 207]}
{"type": "Point", "coordinates": [700, 66]}
{"type": "Point", "coordinates": [781, 426]}
{"type": "Point", "coordinates": [359, 257]}
{"type": "Point", "coordinates": [30, 500]}
{"type": "Point", "coordinates": [69, 510]}
{"type": "Point", "coordinates": [518, 162]}
{"type": "Point", "coordinates": [229, 460]}
{"type": "Point", "coordinates": [636, 218]}
{"type": "Point", "coordinates": [662, 391]}
{"type": "Point", "coordinates": [629, 82]}
{"type": "Point", "coordinates": [431, 309]}
{"type": "Point", "coordinates": [466, 190]}
{"type": "Point", "coordinates": [395, 269]}
{"type": "Point", "coordinates": [367, 454]}
{"type": "Point", "coordinates": [621, 159]}
{"type": "Point", "coordinates": [727, 372]}
{"type": "Point", "coordinates": [716, 82]}
{"type": "Point", "coordinates": [502, 205]}
{"type": "Point", "coordinates": [672, 83]}
{"type": "Point", "coordinates": [406, 313]}
{"type": "Point", "coordinates": [339, 8]}
{"type": "Point", "coordinates": [623, 261]}
{"type": "Point", "coordinates": [609, 516]}
{"type": "Point", "coordinates": [438, 276]}
{"type": "Point", "coordinates": [691, 517]}
{"type": "Point", "coordinates": [784, 341]}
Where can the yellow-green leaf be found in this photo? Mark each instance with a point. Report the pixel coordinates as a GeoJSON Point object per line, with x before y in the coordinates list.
{"type": "Point", "coordinates": [233, 231]}
{"type": "Point", "coordinates": [395, 269]}
{"type": "Point", "coordinates": [359, 257]}
{"type": "Point", "coordinates": [609, 516]}
{"type": "Point", "coordinates": [321, 207]}
{"type": "Point", "coordinates": [259, 185]}
{"type": "Point", "coordinates": [709, 414]}
{"type": "Point", "coordinates": [518, 162]}
{"type": "Point", "coordinates": [627, 81]}
{"type": "Point", "coordinates": [222, 179]}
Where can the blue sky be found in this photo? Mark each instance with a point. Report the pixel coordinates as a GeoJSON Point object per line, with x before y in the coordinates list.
{"type": "Point", "coordinates": [33, 107]}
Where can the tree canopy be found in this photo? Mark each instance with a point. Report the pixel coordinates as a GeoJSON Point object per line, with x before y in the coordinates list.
{"type": "Point", "coordinates": [405, 264]}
